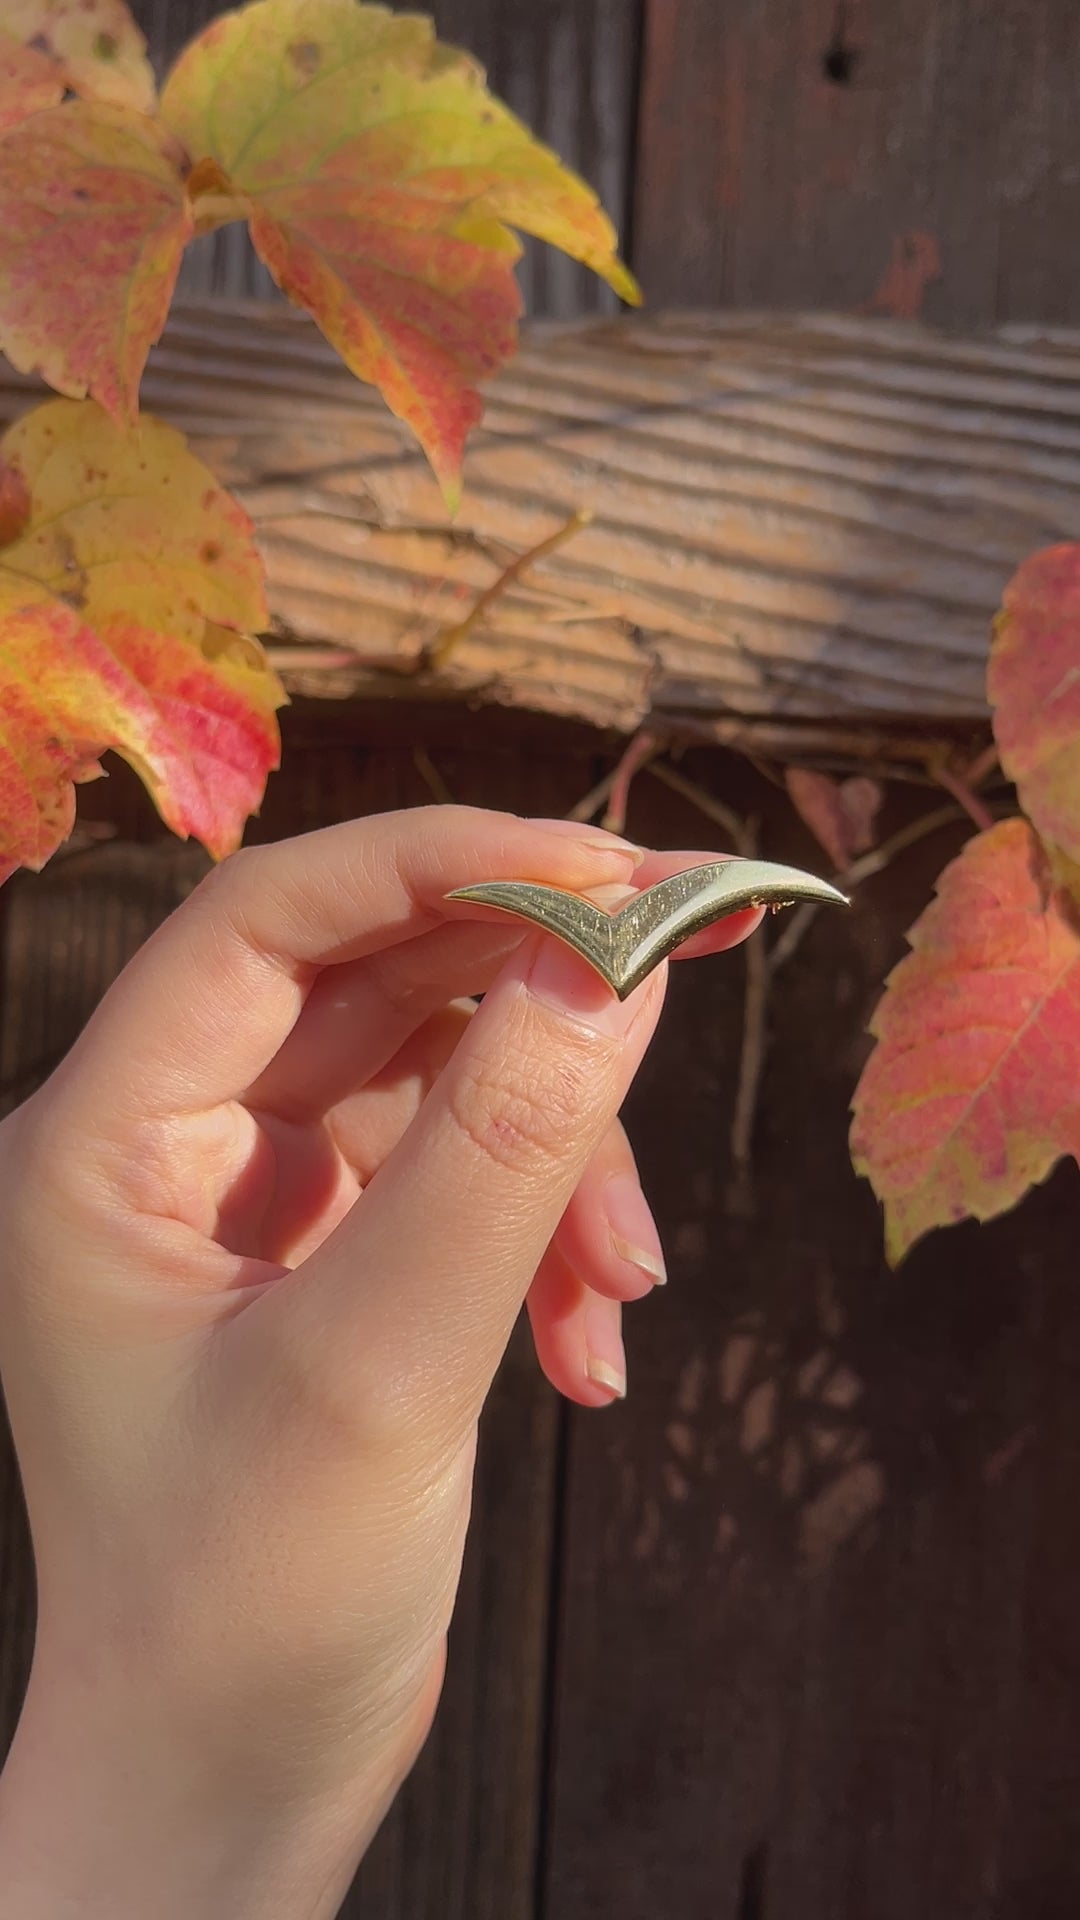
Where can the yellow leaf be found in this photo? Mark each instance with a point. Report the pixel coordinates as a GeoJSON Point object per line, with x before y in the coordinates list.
{"type": "Point", "coordinates": [96, 45]}
{"type": "Point", "coordinates": [382, 182]}
{"type": "Point", "coordinates": [91, 191]}
{"type": "Point", "coordinates": [125, 606]}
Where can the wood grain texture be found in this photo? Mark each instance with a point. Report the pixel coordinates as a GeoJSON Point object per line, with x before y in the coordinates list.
{"type": "Point", "coordinates": [565, 67]}
{"type": "Point", "coordinates": [801, 529]}
{"type": "Point", "coordinates": [819, 1652]}
{"type": "Point", "coordinates": [853, 153]}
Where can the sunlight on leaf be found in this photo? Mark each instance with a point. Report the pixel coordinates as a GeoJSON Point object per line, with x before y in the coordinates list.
{"type": "Point", "coordinates": [972, 1092]}
{"type": "Point", "coordinates": [1034, 688]}
{"type": "Point", "coordinates": [99, 50]}
{"type": "Point", "coordinates": [382, 183]}
{"type": "Point", "coordinates": [29, 82]}
{"type": "Point", "coordinates": [90, 188]}
{"type": "Point", "coordinates": [126, 610]}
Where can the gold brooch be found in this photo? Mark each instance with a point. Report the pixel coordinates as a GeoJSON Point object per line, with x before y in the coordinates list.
{"type": "Point", "coordinates": [625, 946]}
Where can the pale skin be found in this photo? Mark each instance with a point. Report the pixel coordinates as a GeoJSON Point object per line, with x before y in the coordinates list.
{"type": "Point", "coordinates": [266, 1231]}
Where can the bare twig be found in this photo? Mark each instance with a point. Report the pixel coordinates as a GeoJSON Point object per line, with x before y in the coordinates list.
{"type": "Point", "coordinates": [439, 650]}
{"type": "Point", "coordinates": [432, 778]}
{"type": "Point", "coordinates": [724, 817]}
{"type": "Point", "coordinates": [590, 803]}
{"type": "Point", "coordinates": [640, 751]}
{"type": "Point", "coordinates": [955, 784]}
{"type": "Point", "coordinates": [853, 876]}
{"type": "Point", "coordinates": [743, 838]}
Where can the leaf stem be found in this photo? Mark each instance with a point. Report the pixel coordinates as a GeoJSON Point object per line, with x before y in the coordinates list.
{"type": "Point", "coordinates": [439, 650]}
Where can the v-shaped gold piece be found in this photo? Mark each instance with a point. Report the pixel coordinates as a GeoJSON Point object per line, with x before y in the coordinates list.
{"type": "Point", "coordinates": [624, 947]}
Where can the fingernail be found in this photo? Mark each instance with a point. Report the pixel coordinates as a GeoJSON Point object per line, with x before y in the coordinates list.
{"type": "Point", "coordinates": [605, 1355]}
{"type": "Point", "coordinates": [603, 1375]}
{"type": "Point", "coordinates": [560, 978]}
{"type": "Point", "coordinates": [597, 842]}
{"type": "Point", "coordinates": [632, 1227]}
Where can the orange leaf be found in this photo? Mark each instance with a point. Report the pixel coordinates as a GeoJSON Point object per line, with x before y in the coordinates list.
{"type": "Point", "coordinates": [29, 82]}
{"type": "Point", "coordinates": [124, 606]}
{"type": "Point", "coordinates": [382, 181]}
{"type": "Point", "coordinates": [95, 44]}
{"type": "Point", "coordinates": [973, 1090]}
{"type": "Point", "coordinates": [1034, 688]}
{"type": "Point", "coordinates": [89, 195]}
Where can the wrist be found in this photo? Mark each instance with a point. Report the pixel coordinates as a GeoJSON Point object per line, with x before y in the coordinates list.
{"type": "Point", "coordinates": [92, 1827]}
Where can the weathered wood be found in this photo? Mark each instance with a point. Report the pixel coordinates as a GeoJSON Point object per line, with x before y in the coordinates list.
{"type": "Point", "coordinates": [567, 67]}
{"type": "Point", "coordinates": [819, 1640]}
{"type": "Point", "coordinates": [899, 154]}
{"type": "Point", "coordinates": [802, 527]}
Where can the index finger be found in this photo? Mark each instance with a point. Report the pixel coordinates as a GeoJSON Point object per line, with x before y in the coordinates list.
{"type": "Point", "coordinates": [204, 1006]}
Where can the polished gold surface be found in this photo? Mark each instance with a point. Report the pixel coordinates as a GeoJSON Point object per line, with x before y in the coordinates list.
{"type": "Point", "coordinates": [624, 947]}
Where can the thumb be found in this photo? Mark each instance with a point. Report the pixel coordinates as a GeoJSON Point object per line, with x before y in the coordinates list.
{"type": "Point", "coordinates": [419, 1287]}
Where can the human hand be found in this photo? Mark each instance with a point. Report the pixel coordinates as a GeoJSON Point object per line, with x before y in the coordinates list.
{"type": "Point", "coordinates": [267, 1229]}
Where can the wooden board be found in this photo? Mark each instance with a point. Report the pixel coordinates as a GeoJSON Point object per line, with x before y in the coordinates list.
{"type": "Point", "coordinates": [815, 1653]}
{"type": "Point", "coordinates": [904, 156]}
{"type": "Point", "coordinates": [801, 528]}
{"type": "Point", "coordinates": [568, 68]}
{"type": "Point", "coordinates": [819, 1641]}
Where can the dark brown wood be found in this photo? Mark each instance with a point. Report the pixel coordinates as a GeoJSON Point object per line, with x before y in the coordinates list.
{"type": "Point", "coordinates": [819, 1646]}
{"type": "Point", "coordinates": [568, 68]}
{"type": "Point", "coordinates": [899, 155]}
{"type": "Point", "coordinates": [801, 528]}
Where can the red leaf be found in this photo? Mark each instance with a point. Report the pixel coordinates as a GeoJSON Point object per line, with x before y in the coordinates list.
{"type": "Point", "coordinates": [841, 815]}
{"type": "Point", "coordinates": [973, 1090]}
{"type": "Point", "coordinates": [1034, 688]}
{"type": "Point", "coordinates": [29, 82]}
{"type": "Point", "coordinates": [90, 192]}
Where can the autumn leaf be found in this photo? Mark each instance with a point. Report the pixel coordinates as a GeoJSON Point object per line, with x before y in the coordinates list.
{"type": "Point", "coordinates": [14, 503]}
{"type": "Point", "coordinates": [972, 1092]}
{"type": "Point", "coordinates": [839, 813]}
{"type": "Point", "coordinates": [1034, 687]}
{"type": "Point", "coordinates": [92, 191]}
{"type": "Point", "coordinates": [94, 46]}
{"type": "Point", "coordinates": [29, 82]}
{"type": "Point", "coordinates": [126, 606]}
{"type": "Point", "coordinates": [382, 183]}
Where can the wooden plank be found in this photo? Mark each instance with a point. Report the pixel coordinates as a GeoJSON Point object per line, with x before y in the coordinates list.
{"type": "Point", "coordinates": [897, 155]}
{"type": "Point", "coordinates": [461, 1843]}
{"type": "Point", "coordinates": [566, 67]}
{"type": "Point", "coordinates": [801, 528]}
{"type": "Point", "coordinates": [819, 1640]}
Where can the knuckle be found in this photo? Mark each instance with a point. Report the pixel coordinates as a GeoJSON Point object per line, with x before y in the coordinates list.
{"type": "Point", "coordinates": [522, 1108]}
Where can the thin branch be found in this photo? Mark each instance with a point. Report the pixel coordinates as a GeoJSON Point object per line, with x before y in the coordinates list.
{"type": "Point", "coordinates": [849, 878]}
{"type": "Point", "coordinates": [975, 808]}
{"type": "Point", "coordinates": [590, 803]}
{"type": "Point", "coordinates": [723, 817]}
{"type": "Point", "coordinates": [432, 778]}
{"type": "Point", "coordinates": [439, 650]}
{"type": "Point", "coordinates": [640, 751]}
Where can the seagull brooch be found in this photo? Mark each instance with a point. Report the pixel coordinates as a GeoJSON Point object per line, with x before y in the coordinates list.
{"type": "Point", "coordinates": [625, 946]}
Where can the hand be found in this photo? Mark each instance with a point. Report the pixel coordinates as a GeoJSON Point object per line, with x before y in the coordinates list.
{"type": "Point", "coordinates": [267, 1230]}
